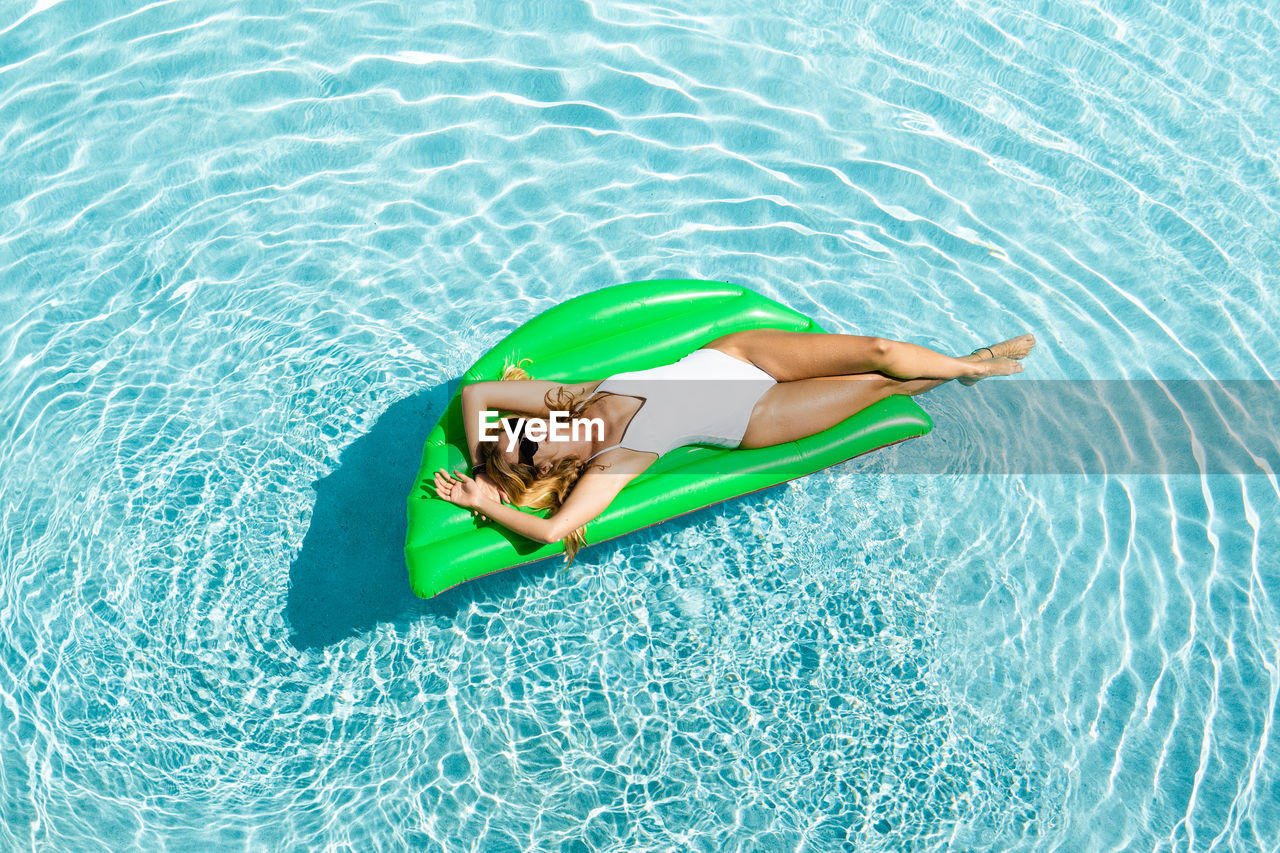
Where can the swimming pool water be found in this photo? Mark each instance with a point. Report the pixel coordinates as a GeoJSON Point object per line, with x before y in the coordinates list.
{"type": "Point", "coordinates": [246, 247]}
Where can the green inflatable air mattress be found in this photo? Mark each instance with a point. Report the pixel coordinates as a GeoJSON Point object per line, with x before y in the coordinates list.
{"type": "Point", "coordinates": [627, 327]}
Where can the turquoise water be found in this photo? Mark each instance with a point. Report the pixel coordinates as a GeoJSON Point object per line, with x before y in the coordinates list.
{"type": "Point", "coordinates": [246, 247]}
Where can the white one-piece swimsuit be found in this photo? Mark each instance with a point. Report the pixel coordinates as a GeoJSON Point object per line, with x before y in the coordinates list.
{"type": "Point", "coordinates": [704, 398]}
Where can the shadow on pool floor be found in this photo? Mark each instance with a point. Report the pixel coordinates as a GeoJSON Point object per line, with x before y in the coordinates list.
{"type": "Point", "coordinates": [350, 574]}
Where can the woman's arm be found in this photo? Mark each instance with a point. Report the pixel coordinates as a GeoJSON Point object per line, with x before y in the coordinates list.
{"type": "Point", "coordinates": [593, 492]}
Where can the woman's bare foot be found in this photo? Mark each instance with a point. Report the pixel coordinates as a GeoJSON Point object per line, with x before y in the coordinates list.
{"type": "Point", "coordinates": [1002, 358]}
{"type": "Point", "coordinates": [1016, 348]}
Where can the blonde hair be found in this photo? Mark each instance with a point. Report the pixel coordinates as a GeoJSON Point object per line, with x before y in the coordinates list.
{"type": "Point", "coordinates": [521, 483]}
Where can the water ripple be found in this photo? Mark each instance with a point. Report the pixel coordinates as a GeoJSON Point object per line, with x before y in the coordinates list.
{"type": "Point", "coordinates": [231, 239]}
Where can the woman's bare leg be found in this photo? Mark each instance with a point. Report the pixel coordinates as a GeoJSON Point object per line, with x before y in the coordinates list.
{"type": "Point", "coordinates": [800, 408]}
{"type": "Point", "coordinates": [792, 356]}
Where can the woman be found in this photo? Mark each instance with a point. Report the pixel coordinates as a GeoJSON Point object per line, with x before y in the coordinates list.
{"type": "Point", "coordinates": [762, 387]}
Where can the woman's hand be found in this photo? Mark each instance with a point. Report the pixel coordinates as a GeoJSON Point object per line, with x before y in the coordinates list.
{"type": "Point", "coordinates": [458, 488]}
